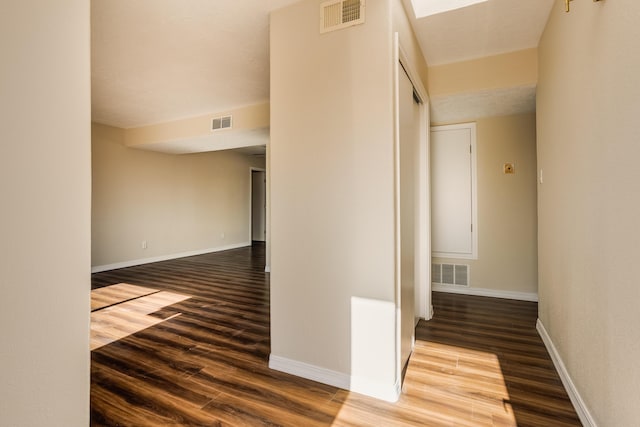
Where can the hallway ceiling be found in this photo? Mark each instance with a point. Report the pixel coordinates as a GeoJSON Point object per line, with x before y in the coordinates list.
{"type": "Point", "coordinates": [160, 60]}
{"type": "Point", "coordinates": [483, 29]}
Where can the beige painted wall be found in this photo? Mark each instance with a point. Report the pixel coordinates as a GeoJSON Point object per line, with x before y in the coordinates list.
{"type": "Point", "coordinates": [589, 202]}
{"type": "Point", "coordinates": [245, 119]}
{"type": "Point", "coordinates": [507, 215]}
{"type": "Point", "coordinates": [331, 146]}
{"type": "Point", "coordinates": [177, 203]}
{"type": "Point", "coordinates": [45, 180]}
{"type": "Point", "coordinates": [334, 300]}
{"type": "Point", "coordinates": [493, 72]}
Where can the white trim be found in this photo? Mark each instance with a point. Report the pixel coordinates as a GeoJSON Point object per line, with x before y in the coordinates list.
{"type": "Point", "coordinates": [482, 292]}
{"type": "Point", "coordinates": [375, 389]}
{"type": "Point", "coordinates": [453, 255]}
{"type": "Point", "coordinates": [396, 200]}
{"type": "Point", "coordinates": [267, 269]}
{"type": "Point", "coordinates": [310, 372]}
{"type": "Point", "coordinates": [134, 262]}
{"type": "Point", "coordinates": [578, 403]}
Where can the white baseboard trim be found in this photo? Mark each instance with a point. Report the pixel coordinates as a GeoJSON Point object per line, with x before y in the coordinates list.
{"type": "Point", "coordinates": [133, 263]}
{"type": "Point", "coordinates": [389, 393]}
{"type": "Point", "coordinates": [579, 404]}
{"type": "Point", "coordinates": [310, 372]}
{"type": "Point", "coordinates": [482, 292]}
{"type": "Point", "coordinates": [376, 389]}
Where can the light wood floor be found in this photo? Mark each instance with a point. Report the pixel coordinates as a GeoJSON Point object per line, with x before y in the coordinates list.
{"type": "Point", "coordinates": [124, 309]}
{"type": "Point", "coordinates": [203, 361]}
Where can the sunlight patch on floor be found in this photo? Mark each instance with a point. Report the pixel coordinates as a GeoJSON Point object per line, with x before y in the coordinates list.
{"type": "Point", "coordinates": [121, 319]}
{"type": "Point", "coordinates": [446, 385]}
{"type": "Point", "coordinates": [114, 294]}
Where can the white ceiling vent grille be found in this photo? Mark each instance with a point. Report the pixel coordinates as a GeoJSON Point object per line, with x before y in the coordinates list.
{"type": "Point", "coordinates": [450, 274]}
{"type": "Point", "coordinates": [220, 123]}
{"type": "Point", "coordinates": [337, 14]}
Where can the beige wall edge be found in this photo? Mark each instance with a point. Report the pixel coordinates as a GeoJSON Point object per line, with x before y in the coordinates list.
{"type": "Point", "coordinates": [45, 182]}
{"type": "Point", "coordinates": [512, 69]}
{"type": "Point", "coordinates": [247, 118]}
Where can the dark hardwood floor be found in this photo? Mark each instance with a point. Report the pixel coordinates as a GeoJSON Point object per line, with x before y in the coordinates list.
{"type": "Point", "coordinates": [479, 362]}
{"type": "Point", "coordinates": [505, 331]}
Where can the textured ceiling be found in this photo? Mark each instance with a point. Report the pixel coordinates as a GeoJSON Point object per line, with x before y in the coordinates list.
{"type": "Point", "coordinates": [483, 29]}
{"type": "Point", "coordinates": [488, 103]}
{"type": "Point", "coordinates": [159, 60]}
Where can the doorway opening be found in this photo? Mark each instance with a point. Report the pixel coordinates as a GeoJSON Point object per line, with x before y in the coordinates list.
{"type": "Point", "coordinates": [258, 205]}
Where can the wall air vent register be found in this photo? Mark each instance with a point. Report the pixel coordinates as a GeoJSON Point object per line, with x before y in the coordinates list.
{"type": "Point", "coordinates": [450, 274]}
{"type": "Point", "coordinates": [338, 14]}
{"type": "Point", "coordinates": [220, 123]}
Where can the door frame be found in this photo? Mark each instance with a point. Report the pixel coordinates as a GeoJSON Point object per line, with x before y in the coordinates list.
{"type": "Point", "coordinates": [423, 252]}
{"type": "Point", "coordinates": [253, 169]}
{"type": "Point", "coordinates": [423, 247]}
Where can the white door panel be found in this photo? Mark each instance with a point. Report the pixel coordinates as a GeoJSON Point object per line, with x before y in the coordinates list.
{"type": "Point", "coordinates": [452, 191]}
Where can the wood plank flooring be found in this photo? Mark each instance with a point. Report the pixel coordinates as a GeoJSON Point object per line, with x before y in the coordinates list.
{"type": "Point", "coordinates": [479, 362]}
{"type": "Point", "coordinates": [115, 294]}
{"type": "Point", "coordinates": [127, 314]}
{"type": "Point", "coordinates": [497, 353]}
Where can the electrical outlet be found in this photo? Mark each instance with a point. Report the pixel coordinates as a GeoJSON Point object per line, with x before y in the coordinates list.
{"type": "Point", "coordinates": [222, 235]}
{"type": "Point", "coordinates": [509, 168]}
{"type": "Point", "coordinates": [144, 244]}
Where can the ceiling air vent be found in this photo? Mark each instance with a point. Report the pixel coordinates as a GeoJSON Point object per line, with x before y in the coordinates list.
{"type": "Point", "coordinates": [337, 14]}
{"type": "Point", "coordinates": [220, 123]}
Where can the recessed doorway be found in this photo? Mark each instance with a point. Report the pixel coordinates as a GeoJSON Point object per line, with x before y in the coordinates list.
{"type": "Point", "coordinates": [258, 205]}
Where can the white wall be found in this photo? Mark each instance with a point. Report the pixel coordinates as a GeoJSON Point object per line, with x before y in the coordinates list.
{"type": "Point", "coordinates": [45, 180]}
{"type": "Point", "coordinates": [176, 203]}
{"type": "Point", "coordinates": [589, 203]}
{"type": "Point", "coordinates": [507, 209]}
